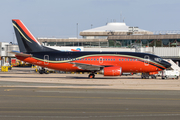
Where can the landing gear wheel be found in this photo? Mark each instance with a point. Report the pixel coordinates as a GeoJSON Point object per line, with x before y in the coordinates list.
{"type": "Point", "coordinates": [153, 76]}
{"type": "Point", "coordinates": [145, 76]}
{"type": "Point", "coordinates": [46, 72]}
{"type": "Point", "coordinates": [91, 76]}
{"type": "Point", "coordinates": [41, 71]}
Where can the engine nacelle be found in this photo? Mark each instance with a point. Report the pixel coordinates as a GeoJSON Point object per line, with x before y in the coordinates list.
{"type": "Point", "coordinates": [111, 71]}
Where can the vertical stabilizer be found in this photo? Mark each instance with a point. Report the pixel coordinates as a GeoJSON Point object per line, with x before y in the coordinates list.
{"type": "Point", "coordinates": [26, 41]}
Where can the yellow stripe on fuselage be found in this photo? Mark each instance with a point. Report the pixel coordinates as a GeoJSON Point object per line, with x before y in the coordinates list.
{"type": "Point", "coordinates": [21, 33]}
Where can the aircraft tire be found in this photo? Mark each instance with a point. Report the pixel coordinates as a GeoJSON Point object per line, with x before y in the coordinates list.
{"type": "Point", "coordinates": [41, 71]}
{"type": "Point", "coordinates": [46, 72]}
{"type": "Point", "coordinates": [153, 77]}
{"type": "Point", "coordinates": [91, 76]}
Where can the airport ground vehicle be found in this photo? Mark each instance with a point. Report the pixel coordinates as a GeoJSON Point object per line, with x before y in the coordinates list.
{"type": "Point", "coordinates": [170, 74]}
{"type": "Point", "coordinates": [106, 63]}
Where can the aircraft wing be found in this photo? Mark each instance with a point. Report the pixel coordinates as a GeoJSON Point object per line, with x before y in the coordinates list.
{"type": "Point", "coordinates": [87, 66]}
{"type": "Point", "coordinates": [20, 54]}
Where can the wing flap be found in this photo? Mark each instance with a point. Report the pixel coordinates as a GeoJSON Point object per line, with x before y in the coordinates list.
{"type": "Point", "coordinates": [87, 66]}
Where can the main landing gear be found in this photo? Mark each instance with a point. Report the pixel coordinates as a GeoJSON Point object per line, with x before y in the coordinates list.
{"type": "Point", "coordinates": [91, 76]}
{"type": "Point", "coordinates": [153, 76]}
{"type": "Point", "coordinates": [43, 70]}
{"type": "Point", "coordinates": [147, 76]}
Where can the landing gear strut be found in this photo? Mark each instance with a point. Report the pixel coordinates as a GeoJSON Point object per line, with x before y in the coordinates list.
{"type": "Point", "coordinates": [145, 76]}
{"type": "Point", "coordinates": [153, 76]}
{"type": "Point", "coordinates": [43, 70]}
{"type": "Point", "coordinates": [91, 76]}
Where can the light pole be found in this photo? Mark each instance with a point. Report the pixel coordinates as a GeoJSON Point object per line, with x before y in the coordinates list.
{"type": "Point", "coordinates": [77, 29]}
{"type": "Point", "coordinates": [77, 34]}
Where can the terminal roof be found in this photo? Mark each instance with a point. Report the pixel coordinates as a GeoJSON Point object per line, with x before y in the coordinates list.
{"type": "Point", "coordinates": [115, 27]}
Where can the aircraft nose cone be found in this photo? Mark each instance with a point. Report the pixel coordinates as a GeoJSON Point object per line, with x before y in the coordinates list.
{"type": "Point", "coordinates": [166, 64]}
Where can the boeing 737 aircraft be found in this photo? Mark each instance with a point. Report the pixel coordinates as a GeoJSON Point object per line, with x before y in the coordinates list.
{"type": "Point", "coordinates": [106, 63]}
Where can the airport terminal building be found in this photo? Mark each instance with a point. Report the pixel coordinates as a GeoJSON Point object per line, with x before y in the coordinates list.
{"type": "Point", "coordinates": [118, 35]}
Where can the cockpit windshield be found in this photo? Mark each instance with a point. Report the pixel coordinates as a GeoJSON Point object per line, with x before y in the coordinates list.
{"type": "Point", "coordinates": [158, 59]}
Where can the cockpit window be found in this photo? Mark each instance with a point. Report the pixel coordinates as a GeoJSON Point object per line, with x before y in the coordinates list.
{"type": "Point", "coordinates": [158, 59]}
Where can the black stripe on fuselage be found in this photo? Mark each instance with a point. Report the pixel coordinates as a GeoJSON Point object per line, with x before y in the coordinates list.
{"type": "Point", "coordinates": [153, 64]}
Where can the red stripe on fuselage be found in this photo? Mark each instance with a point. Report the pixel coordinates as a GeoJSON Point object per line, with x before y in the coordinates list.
{"type": "Point", "coordinates": [127, 66]}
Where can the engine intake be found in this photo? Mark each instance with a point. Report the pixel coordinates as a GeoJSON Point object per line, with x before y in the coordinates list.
{"type": "Point", "coordinates": [111, 71]}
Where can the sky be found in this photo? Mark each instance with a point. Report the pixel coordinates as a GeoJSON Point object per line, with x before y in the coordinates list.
{"type": "Point", "coordinates": [59, 18]}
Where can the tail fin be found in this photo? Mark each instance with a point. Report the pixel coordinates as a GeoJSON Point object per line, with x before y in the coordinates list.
{"type": "Point", "coordinates": [26, 41]}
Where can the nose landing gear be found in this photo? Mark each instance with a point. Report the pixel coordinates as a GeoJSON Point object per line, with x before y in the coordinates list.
{"type": "Point", "coordinates": [147, 76]}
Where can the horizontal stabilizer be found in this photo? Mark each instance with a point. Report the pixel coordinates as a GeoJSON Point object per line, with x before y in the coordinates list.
{"type": "Point", "coordinates": [17, 53]}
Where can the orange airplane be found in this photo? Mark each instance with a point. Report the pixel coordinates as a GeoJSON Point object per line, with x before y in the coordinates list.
{"type": "Point", "coordinates": [106, 63]}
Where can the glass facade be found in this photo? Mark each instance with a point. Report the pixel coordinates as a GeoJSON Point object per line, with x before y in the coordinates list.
{"type": "Point", "coordinates": [121, 43]}
{"type": "Point", "coordinates": [84, 44]}
{"type": "Point", "coordinates": [145, 43]}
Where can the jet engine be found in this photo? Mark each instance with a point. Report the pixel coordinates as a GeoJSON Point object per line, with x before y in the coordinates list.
{"type": "Point", "coordinates": [111, 71]}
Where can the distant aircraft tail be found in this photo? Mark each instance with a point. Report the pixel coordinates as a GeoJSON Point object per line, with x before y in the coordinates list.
{"type": "Point", "coordinates": [26, 41]}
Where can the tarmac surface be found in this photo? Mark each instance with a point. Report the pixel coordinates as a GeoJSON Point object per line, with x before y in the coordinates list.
{"type": "Point", "coordinates": [25, 95]}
